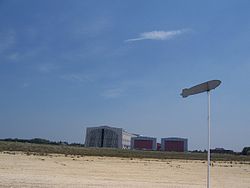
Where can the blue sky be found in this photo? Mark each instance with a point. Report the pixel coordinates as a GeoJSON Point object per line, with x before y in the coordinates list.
{"type": "Point", "coordinates": [66, 65]}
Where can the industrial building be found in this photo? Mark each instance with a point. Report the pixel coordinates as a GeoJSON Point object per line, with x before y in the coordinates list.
{"type": "Point", "coordinates": [158, 146]}
{"type": "Point", "coordinates": [110, 137]}
{"type": "Point", "coordinates": [174, 144]}
{"type": "Point", "coordinates": [143, 143]}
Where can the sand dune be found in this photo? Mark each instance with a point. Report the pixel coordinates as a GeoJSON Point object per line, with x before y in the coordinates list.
{"type": "Point", "coordinates": [21, 170]}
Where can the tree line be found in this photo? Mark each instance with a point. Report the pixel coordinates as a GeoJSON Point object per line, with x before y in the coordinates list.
{"type": "Point", "coordinates": [41, 141]}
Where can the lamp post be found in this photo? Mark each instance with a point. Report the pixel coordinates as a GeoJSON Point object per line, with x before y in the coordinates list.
{"type": "Point", "coordinates": [200, 88]}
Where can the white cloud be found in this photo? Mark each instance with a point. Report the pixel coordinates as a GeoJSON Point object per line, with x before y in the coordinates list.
{"type": "Point", "coordinates": [158, 35]}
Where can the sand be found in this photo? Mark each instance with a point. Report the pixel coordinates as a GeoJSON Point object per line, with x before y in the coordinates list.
{"type": "Point", "coordinates": [20, 170]}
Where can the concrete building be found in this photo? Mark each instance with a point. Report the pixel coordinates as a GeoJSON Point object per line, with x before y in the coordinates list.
{"type": "Point", "coordinates": [110, 137]}
{"type": "Point", "coordinates": [143, 143]}
{"type": "Point", "coordinates": [174, 144]}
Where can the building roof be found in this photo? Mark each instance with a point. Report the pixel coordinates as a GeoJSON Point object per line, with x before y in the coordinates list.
{"type": "Point", "coordinates": [174, 138]}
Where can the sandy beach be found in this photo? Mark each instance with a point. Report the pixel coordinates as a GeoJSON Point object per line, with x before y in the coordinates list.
{"type": "Point", "coordinates": [21, 170]}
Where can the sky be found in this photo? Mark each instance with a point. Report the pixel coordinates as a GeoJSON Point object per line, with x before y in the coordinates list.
{"type": "Point", "coordinates": [67, 65]}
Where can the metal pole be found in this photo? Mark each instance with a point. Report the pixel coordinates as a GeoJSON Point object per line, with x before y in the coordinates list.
{"type": "Point", "coordinates": [208, 149]}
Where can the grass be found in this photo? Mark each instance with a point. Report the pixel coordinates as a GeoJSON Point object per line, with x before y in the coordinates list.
{"type": "Point", "coordinates": [43, 149]}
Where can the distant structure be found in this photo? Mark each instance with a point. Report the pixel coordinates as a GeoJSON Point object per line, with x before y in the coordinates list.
{"type": "Point", "coordinates": [222, 150]}
{"type": "Point", "coordinates": [113, 137]}
{"type": "Point", "coordinates": [158, 146]}
{"type": "Point", "coordinates": [110, 137]}
{"type": "Point", "coordinates": [174, 144]}
{"type": "Point", "coordinates": [143, 143]}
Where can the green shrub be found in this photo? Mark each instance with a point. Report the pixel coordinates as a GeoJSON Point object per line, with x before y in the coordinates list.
{"type": "Point", "coordinates": [246, 151]}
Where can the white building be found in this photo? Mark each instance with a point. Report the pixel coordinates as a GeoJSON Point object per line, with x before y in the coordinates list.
{"type": "Point", "coordinates": [110, 137]}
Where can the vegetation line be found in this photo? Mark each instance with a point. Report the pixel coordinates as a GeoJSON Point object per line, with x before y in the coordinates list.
{"type": "Point", "coordinates": [45, 149]}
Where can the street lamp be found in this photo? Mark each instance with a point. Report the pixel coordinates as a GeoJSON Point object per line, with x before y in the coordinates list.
{"type": "Point", "coordinates": [200, 88]}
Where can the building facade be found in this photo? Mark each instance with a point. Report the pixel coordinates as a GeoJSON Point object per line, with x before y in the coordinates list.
{"type": "Point", "coordinates": [143, 143]}
{"type": "Point", "coordinates": [174, 144]}
{"type": "Point", "coordinates": [109, 137]}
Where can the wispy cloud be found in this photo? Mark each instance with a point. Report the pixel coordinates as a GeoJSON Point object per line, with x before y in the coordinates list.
{"type": "Point", "coordinates": [113, 93]}
{"type": "Point", "coordinates": [25, 85]}
{"type": "Point", "coordinates": [15, 56]}
{"type": "Point", "coordinates": [7, 39]}
{"type": "Point", "coordinates": [78, 77]}
{"type": "Point", "coordinates": [121, 89]}
{"type": "Point", "coordinates": [91, 28]}
{"type": "Point", "coordinates": [47, 68]}
{"type": "Point", "coordinates": [158, 35]}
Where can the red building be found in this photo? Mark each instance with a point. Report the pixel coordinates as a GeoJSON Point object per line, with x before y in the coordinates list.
{"type": "Point", "coordinates": [174, 144]}
{"type": "Point", "coordinates": [143, 143]}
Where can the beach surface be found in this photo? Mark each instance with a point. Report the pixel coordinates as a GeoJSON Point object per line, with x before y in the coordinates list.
{"type": "Point", "coordinates": [19, 169]}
